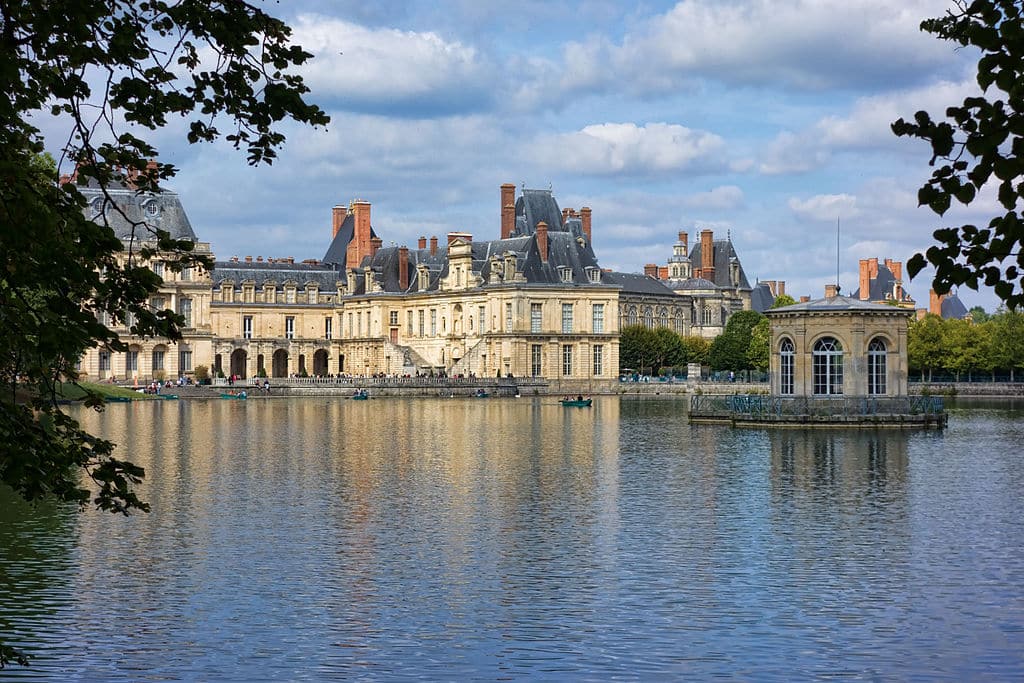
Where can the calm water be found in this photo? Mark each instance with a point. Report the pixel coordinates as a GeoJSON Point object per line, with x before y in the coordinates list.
{"type": "Point", "coordinates": [483, 539]}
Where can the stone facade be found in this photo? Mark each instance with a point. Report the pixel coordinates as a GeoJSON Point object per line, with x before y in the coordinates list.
{"type": "Point", "coordinates": [867, 354]}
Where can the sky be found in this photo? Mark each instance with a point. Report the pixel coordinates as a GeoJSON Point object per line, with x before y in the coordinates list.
{"type": "Point", "coordinates": [764, 120]}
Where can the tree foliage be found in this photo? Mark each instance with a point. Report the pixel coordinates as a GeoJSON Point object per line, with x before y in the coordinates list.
{"type": "Point", "coordinates": [729, 350]}
{"type": "Point", "coordinates": [783, 300]}
{"type": "Point", "coordinates": [963, 347]}
{"type": "Point", "coordinates": [110, 72]}
{"type": "Point", "coordinates": [980, 142]}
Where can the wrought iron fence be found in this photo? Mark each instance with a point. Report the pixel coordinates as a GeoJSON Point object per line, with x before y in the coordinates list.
{"type": "Point", "coordinates": [847, 406]}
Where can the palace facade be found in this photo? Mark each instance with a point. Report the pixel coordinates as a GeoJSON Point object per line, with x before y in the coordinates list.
{"type": "Point", "coordinates": [533, 302]}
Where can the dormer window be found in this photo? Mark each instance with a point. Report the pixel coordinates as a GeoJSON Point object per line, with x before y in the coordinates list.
{"type": "Point", "coordinates": [594, 274]}
{"type": "Point", "coordinates": [312, 295]}
{"type": "Point", "coordinates": [565, 273]}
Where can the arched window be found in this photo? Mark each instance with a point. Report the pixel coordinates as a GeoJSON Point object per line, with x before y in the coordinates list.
{"type": "Point", "coordinates": [786, 367]}
{"type": "Point", "coordinates": [828, 367]}
{"type": "Point", "coordinates": [648, 317]}
{"type": "Point", "coordinates": [707, 314]}
{"type": "Point", "coordinates": [876, 367]}
{"type": "Point", "coordinates": [631, 315]}
{"type": "Point", "coordinates": [663, 317]}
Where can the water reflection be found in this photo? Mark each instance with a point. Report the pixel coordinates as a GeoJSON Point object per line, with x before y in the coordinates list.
{"type": "Point", "coordinates": [432, 538]}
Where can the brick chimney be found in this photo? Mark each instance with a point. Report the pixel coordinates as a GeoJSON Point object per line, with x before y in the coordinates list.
{"type": "Point", "coordinates": [865, 280]}
{"type": "Point", "coordinates": [897, 273]}
{"type": "Point", "coordinates": [935, 302]}
{"type": "Point", "coordinates": [804, 299]}
{"type": "Point", "coordinates": [338, 215]}
{"type": "Point", "coordinates": [585, 220]}
{"type": "Point", "coordinates": [651, 270]}
{"type": "Point", "coordinates": [403, 268]}
{"type": "Point", "coordinates": [508, 210]}
{"type": "Point", "coordinates": [248, 259]}
{"type": "Point", "coordinates": [662, 272]}
{"type": "Point", "coordinates": [831, 291]}
{"type": "Point", "coordinates": [772, 285]}
{"type": "Point", "coordinates": [542, 240]}
{"type": "Point", "coordinates": [781, 287]}
{"type": "Point", "coordinates": [422, 244]}
{"type": "Point", "coordinates": [433, 245]}
{"type": "Point", "coordinates": [873, 268]}
{"type": "Point", "coordinates": [359, 247]}
{"type": "Point", "coordinates": [375, 244]}
{"type": "Point", "coordinates": [707, 255]}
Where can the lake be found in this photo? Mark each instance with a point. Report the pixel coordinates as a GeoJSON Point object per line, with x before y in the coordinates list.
{"type": "Point", "coordinates": [320, 538]}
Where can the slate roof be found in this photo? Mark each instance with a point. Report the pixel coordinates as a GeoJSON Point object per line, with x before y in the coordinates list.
{"type": "Point", "coordinates": [761, 297]}
{"type": "Point", "coordinates": [953, 307]}
{"type": "Point", "coordinates": [324, 276]}
{"type": "Point", "coordinates": [838, 304]}
{"type": "Point", "coordinates": [635, 283]}
{"type": "Point", "coordinates": [691, 284]}
{"type": "Point", "coordinates": [724, 253]}
{"type": "Point", "coordinates": [162, 211]}
{"type": "Point", "coordinates": [339, 245]}
{"type": "Point", "coordinates": [881, 286]}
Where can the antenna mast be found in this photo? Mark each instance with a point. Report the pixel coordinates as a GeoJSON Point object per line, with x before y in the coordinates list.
{"type": "Point", "coordinates": [837, 254]}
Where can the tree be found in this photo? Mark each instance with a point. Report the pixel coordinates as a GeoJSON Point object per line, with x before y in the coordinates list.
{"type": "Point", "coordinates": [696, 349]}
{"type": "Point", "coordinates": [924, 345]}
{"type": "Point", "coordinates": [981, 141]}
{"type": "Point", "coordinates": [637, 347]}
{"type": "Point", "coordinates": [963, 347]}
{"type": "Point", "coordinates": [729, 349]}
{"type": "Point", "coordinates": [669, 349]}
{"type": "Point", "coordinates": [111, 70]}
{"type": "Point", "coordinates": [783, 300]}
{"type": "Point", "coordinates": [760, 342]}
{"type": "Point", "coordinates": [979, 315]}
{"type": "Point", "coordinates": [1007, 341]}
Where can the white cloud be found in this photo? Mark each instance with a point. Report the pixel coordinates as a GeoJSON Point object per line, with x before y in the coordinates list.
{"type": "Point", "coordinates": [825, 207]}
{"type": "Point", "coordinates": [389, 69]}
{"type": "Point", "coordinates": [804, 44]}
{"type": "Point", "coordinates": [626, 148]}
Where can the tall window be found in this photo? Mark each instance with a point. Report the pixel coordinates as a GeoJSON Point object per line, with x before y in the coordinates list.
{"type": "Point", "coordinates": [184, 361]}
{"type": "Point", "coordinates": [422, 317]}
{"type": "Point", "coordinates": [158, 268]}
{"type": "Point", "coordinates": [828, 367]}
{"type": "Point", "coordinates": [508, 317]}
{"type": "Point", "coordinates": [535, 360]}
{"type": "Point", "coordinates": [631, 315]}
{"type": "Point", "coordinates": [707, 315]}
{"type": "Point", "coordinates": [104, 361]}
{"type": "Point", "coordinates": [158, 359]}
{"type": "Point", "coordinates": [157, 303]}
{"type": "Point", "coordinates": [328, 327]}
{"type": "Point", "coordinates": [393, 318]}
{"type": "Point", "coordinates": [536, 317]}
{"type": "Point", "coordinates": [433, 322]}
{"type": "Point", "coordinates": [598, 360]}
{"type": "Point", "coordinates": [247, 327]}
{"type": "Point", "coordinates": [876, 367]}
{"type": "Point", "coordinates": [598, 318]}
{"type": "Point", "coordinates": [289, 327]}
{"type": "Point", "coordinates": [131, 364]}
{"type": "Point", "coordinates": [663, 317]}
{"type": "Point", "coordinates": [566, 318]}
{"type": "Point", "coordinates": [649, 317]}
{"type": "Point", "coordinates": [567, 360]}
{"type": "Point", "coordinates": [786, 367]}
{"type": "Point", "coordinates": [186, 274]}
{"type": "Point", "coordinates": [408, 323]}
{"type": "Point", "coordinates": [185, 310]}
{"type": "Point", "coordinates": [482, 317]}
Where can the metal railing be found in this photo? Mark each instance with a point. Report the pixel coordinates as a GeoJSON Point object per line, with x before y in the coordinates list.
{"type": "Point", "coordinates": [756, 405]}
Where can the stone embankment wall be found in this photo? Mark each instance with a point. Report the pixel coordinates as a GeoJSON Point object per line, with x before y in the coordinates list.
{"type": "Point", "coordinates": [993, 389]}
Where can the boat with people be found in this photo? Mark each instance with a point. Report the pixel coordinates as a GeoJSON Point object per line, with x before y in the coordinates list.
{"type": "Point", "coordinates": [169, 397]}
{"type": "Point", "coordinates": [240, 396]}
{"type": "Point", "coordinates": [480, 393]}
{"type": "Point", "coordinates": [578, 402]}
{"type": "Point", "coordinates": [360, 395]}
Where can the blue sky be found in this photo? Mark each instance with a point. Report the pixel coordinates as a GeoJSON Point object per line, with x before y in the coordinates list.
{"type": "Point", "coordinates": [766, 119]}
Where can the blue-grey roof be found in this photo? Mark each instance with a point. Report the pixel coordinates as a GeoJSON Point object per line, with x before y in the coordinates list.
{"type": "Point", "coordinates": [635, 283]}
{"type": "Point", "coordinates": [325, 276]}
{"type": "Point", "coordinates": [953, 307]}
{"type": "Point", "coordinates": [838, 304]}
{"type": "Point", "coordinates": [534, 206]}
{"type": "Point", "coordinates": [761, 297]}
{"type": "Point", "coordinates": [724, 254]}
{"type": "Point", "coordinates": [336, 251]}
{"type": "Point", "coordinates": [144, 212]}
{"type": "Point", "coordinates": [690, 284]}
{"type": "Point", "coordinates": [880, 287]}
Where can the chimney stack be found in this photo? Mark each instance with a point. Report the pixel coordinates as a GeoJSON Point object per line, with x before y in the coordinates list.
{"type": "Point", "coordinates": [403, 268]}
{"type": "Point", "coordinates": [433, 245]}
{"type": "Point", "coordinates": [248, 259]}
{"type": "Point", "coordinates": [375, 244]}
{"type": "Point", "coordinates": [422, 244]}
{"type": "Point", "coordinates": [707, 255]}
{"type": "Point", "coordinates": [935, 302]}
{"type": "Point", "coordinates": [804, 299]}
{"type": "Point", "coordinates": [662, 272]}
{"type": "Point", "coordinates": [782, 287]}
{"type": "Point", "coordinates": [585, 220]}
{"type": "Point", "coordinates": [897, 273]}
{"type": "Point", "coordinates": [542, 240]}
{"type": "Point", "coordinates": [651, 270]}
{"type": "Point", "coordinates": [508, 210]}
{"type": "Point", "coordinates": [359, 247]}
{"type": "Point", "coordinates": [831, 291]}
{"type": "Point", "coordinates": [873, 268]}
{"type": "Point", "coordinates": [338, 215]}
{"type": "Point", "coordinates": [865, 280]}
